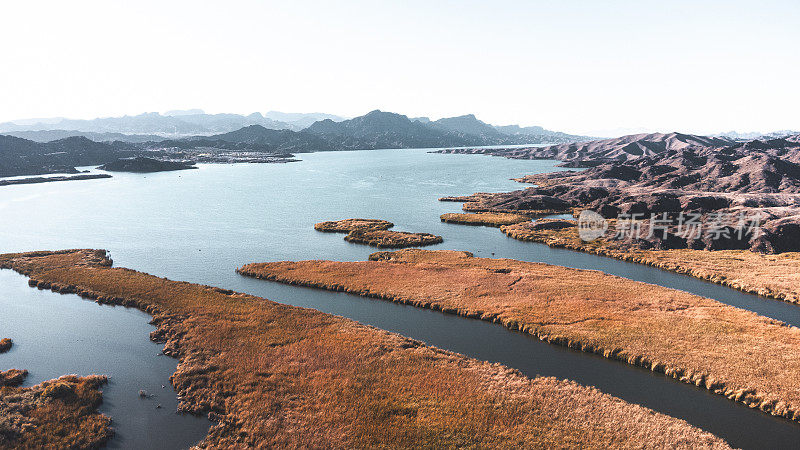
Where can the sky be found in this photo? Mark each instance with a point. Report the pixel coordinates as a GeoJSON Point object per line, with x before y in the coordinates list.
{"type": "Point", "coordinates": [582, 66]}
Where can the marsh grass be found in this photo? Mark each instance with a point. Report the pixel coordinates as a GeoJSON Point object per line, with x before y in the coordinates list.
{"type": "Point", "coordinates": [736, 353]}
{"type": "Point", "coordinates": [273, 375]}
{"type": "Point", "coordinates": [59, 413]}
{"type": "Point", "coordinates": [485, 219]}
{"type": "Point", "coordinates": [775, 276]}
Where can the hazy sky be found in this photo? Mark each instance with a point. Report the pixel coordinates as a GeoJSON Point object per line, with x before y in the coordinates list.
{"type": "Point", "coordinates": [580, 66]}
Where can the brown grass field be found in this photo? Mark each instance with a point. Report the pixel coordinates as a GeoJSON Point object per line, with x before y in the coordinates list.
{"type": "Point", "coordinates": [277, 375]}
{"type": "Point", "coordinates": [376, 233]}
{"type": "Point", "coordinates": [736, 353]}
{"type": "Point", "coordinates": [348, 225]}
{"type": "Point", "coordinates": [59, 413]}
{"type": "Point", "coordinates": [775, 276]}
{"type": "Point", "coordinates": [485, 219]}
{"type": "Point", "coordinates": [12, 377]}
{"type": "Point", "coordinates": [392, 239]}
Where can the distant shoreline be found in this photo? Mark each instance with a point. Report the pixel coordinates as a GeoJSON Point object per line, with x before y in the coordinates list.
{"type": "Point", "coordinates": [36, 180]}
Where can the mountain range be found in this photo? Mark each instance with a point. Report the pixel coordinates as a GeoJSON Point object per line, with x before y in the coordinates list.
{"type": "Point", "coordinates": [33, 152]}
{"type": "Point", "coordinates": [398, 129]}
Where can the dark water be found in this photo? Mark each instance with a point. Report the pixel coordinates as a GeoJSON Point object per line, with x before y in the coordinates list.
{"type": "Point", "coordinates": [200, 225]}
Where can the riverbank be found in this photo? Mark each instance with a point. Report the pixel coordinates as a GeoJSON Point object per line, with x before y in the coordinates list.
{"type": "Point", "coordinates": [59, 413]}
{"type": "Point", "coordinates": [770, 275]}
{"type": "Point", "coordinates": [271, 374]}
{"type": "Point", "coordinates": [735, 353]}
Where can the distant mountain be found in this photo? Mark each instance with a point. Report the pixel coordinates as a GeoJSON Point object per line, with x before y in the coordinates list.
{"type": "Point", "coordinates": [379, 129]}
{"type": "Point", "coordinates": [23, 157]}
{"type": "Point", "coordinates": [467, 124]}
{"type": "Point", "coordinates": [301, 120]}
{"type": "Point", "coordinates": [756, 135]}
{"type": "Point", "coordinates": [273, 140]}
{"type": "Point", "coordinates": [187, 123]}
{"type": "Point", "coordinates": [179, 124]}
{"type": "Point", "coordinates": [184, 112]}
{"type": "Point", "coordinates": [553, 137]}
{"type": "Point", "coordinates": [52, 135]}
{"type": "Point", "coordinates": [230, 137]}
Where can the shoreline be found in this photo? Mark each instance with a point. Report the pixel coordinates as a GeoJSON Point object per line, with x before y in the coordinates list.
{"type": "Point", "coordinates": [37, 180]}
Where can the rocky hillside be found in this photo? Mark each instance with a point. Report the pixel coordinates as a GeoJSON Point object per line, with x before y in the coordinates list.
{"type": "Point", "coordinates": [23, 157]}
{"type": "Point", "coordinates": [757, 177]}
{"type": "Point", "coordinates": [594, 152]}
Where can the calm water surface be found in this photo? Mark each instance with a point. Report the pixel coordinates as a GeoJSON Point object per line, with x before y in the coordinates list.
{"type": "Point", "coordinates": [199, 225]}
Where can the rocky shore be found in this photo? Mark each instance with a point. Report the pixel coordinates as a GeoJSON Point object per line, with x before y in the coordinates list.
{"type": "Point", "coordinates": [5, 345]}
{"type": "Point", "coordinates": [274, 375]}
{"type": "Point", "coordinates": [739, 354]}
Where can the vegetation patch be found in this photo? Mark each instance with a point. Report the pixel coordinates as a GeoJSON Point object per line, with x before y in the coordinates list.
{"type": "Point", "coordinates": [376, 233]}
{"type": "Point", "coordinates": [59, 413]}
{"type": "Point", "coordinates": [348, 225]}
{"type": "Point", "coordinates": [487, 219]}
{"type": "Point", "coordinates": [272, 375]}
{"type": "Point", "coordinates": [770, 275]}
{"type": "Point", "coordinates": [5, 345]}
{"type": "Point", "coordinates": [392, 239]}
{"type": "Point", "coordinates": [732, 352]}
{"type": "Point", "coordinates": [12, 377]}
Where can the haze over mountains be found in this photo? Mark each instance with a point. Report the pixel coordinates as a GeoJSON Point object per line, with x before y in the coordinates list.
{"type": "Point", "coordinates": [229, 137]}
{"type": "Point", "coordinates": [180, 124]}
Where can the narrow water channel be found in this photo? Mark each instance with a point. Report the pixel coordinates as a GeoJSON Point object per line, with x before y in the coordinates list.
{"type": "Point", "coordinates": [739, 425]}
{"type": "Point", "coordinates": [57, 335]}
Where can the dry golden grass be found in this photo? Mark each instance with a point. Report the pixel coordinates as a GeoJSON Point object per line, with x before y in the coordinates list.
{"type": "Point", "coordinates": [739, 354]}
{"type": "Point", "coordinates": [776, 276]}
{"type": "Point", "coordinates": [12, 377]}
{"type": "Point", "coordinates": [58, 413]}
{"type": "Point", "coordinates": [280, 376]}
{"type": "Point", "coordinates": [376, 233]}
{"type": "Point", "coordinates": [487, 219]}
{"type": "Point", "coordinates": [5, 345]}
{"type": "Point", "coordinates": [392, 239]}
{"type": "Point", "coordinates": [348, 225]}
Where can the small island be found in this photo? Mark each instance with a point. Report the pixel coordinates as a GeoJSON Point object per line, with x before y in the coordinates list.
{"type": "Point", "coordinates": [5, 345]}
{"type": "Point", "coordinates": [142, 164]}
{"type": "Point", "coordinates": [348, 225]}
{"type": "Point", "coordinates": [485, 219]}
{"type": "Point", "coordinates": [376, 233]}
